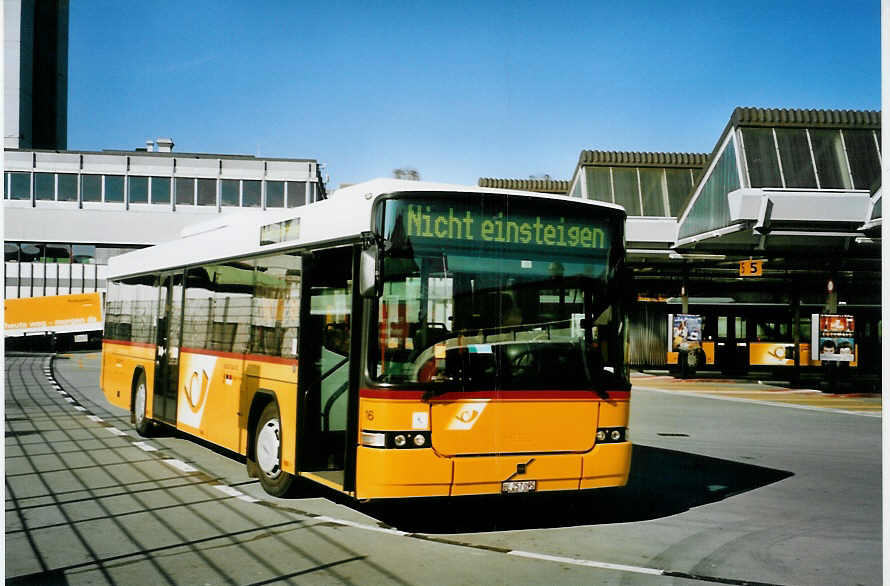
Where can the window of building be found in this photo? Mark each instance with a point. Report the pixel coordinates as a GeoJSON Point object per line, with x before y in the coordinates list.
{"type": "Point", "coordinates": [67, 187]}
{"type": "Point", "coordinates": [207, 192]}
{"type": "Point", "coordinates": [274, 194]}
{"type": "Point", "coordinates": [627, 191]}
{"type": "Point", "coordinates": [30, 252]}
{"type": "Point", "coordinates": [11, 251]}
{"type": "Point", "coordinates": [160, 190]}
{"type": "Point", "coordinates": [57, 253]}
{"type": "Point", "coordinates": [797, 164]}
{"type": "Point", "coordinates": [831, 160]}
{"type": "Point", "coordinates": [138, 188]}
{"type": "Point", "coordinates": [83, 253]}
{"type": "Point", "coordinates": [576, 189]}
{"type": "Point", "coordinates": [865, 163]}
{"type": "Point", "coordinates": [599, 184]}
{"type": "Point", "coordinates": [114, 188]}
{"type": "Point", "coordinates": [91, 188]}
{"type": "Point", "coordinates": [45, 186]}
{"type": "Point", "coordinates": [679, 184]}
{"type": "Point", "coordinates": [710, 210]}
{"type": "Point", "coordinates": [185, 191]}
{"type": "Point", "coordinates": [296, 194]}
{"type": "Point", "coordinates": [760, 155]}
{"type": "Point", "coordinates": [229, 192]}
{"type": "Point", "coordinates": [652, 189]}
{"type": "Point", "coordinates": [251, 197]}
{"type": "Point", "coordinates": [19, 185]}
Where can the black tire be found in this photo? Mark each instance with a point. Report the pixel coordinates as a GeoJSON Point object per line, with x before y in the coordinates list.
{"type": "Point", "coordinates": [267, 452]}
{"type": "Point", "coordinates": [144, 425]}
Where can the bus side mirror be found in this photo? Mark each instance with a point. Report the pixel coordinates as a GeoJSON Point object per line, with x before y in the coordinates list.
{"type": "Point", "coordinates": [368, 272]}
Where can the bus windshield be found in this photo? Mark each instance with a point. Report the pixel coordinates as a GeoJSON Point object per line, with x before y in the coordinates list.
{"type": "Point", "coordinates": [485, 292]}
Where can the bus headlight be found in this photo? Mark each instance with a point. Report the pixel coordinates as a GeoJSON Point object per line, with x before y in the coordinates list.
{"type": "Point", "coordinates": [400, 440]}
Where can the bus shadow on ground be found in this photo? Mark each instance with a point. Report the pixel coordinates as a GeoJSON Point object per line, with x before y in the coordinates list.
{"type": "Point", "coordinates": [661, 483]}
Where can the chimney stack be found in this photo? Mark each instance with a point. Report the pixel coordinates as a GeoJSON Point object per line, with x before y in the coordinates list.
{"type": "Point", "coordinates": [165, 145]}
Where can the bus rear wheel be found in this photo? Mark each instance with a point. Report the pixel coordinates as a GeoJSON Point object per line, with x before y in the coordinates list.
{"type": "Point", "coordinates": [267, 443]}
{"type": "Point", "coordinates": [140, 398]}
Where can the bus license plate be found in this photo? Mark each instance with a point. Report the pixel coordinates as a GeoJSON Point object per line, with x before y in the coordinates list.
{"type": "Point", "coordinates": [515, 486]}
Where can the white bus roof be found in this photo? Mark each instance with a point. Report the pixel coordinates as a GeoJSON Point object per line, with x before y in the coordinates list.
{"type": "Point", "coordinates": [345, 214]}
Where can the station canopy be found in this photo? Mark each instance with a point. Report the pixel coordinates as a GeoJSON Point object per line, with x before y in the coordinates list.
{"type": "Point", "coordinates": [787, 179]}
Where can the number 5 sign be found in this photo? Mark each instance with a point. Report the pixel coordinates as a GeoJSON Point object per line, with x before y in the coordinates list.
{"type": "Point", "coordinates": [750, 268]}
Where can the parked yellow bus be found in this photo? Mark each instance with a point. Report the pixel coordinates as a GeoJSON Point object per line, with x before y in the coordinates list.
{"type": "Point", "coordinates": [400, 339]}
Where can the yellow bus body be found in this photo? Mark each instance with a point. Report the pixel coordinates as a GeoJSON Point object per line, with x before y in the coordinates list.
{"type": "Point", "coordinates": [82, 311]}
{"type": "Point", "coordinates": [477, 444]}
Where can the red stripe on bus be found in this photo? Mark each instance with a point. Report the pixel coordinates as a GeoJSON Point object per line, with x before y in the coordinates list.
{"type": "Point", "coordinates": [241, 356]}
{"type": "Point", "coordinates": [126, 343]}
{"type": "Point", "coordinates": [474, 395]}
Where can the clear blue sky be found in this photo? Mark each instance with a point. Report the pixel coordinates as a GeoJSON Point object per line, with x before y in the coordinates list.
{"type": "Point", "coordinates": [491, 89]}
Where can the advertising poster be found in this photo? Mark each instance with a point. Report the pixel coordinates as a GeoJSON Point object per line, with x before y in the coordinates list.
{"type": "Point", "coordinates": [685, 332]}
{"type": "Point", "coordinates": [836, 338]}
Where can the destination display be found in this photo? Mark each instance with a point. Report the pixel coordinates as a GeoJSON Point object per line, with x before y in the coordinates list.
{"type": "Point", "coordinates": [470, 222]}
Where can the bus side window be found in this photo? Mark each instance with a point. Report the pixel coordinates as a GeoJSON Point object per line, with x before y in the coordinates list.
{"type": "Point", "coordinates": [275, 313]}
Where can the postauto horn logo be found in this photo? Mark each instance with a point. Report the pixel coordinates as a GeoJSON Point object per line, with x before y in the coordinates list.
{"type": "Point", "coordinates": [194, 389]}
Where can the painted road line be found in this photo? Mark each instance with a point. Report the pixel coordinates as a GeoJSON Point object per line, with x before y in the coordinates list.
{"type": "Point", "coordinates": [95, 418]}
{"type": "Point", "coordinates": [116, 431]}
{"type": "Point", "coordinates": [326, 519]}
{"type": "Point", "coordinates": [756, 402]}
{"type": "Point", "coordinates": [180, 465]}
{"type": "Point", "coordinates": [79, 408]}
{"type": "Point", "coordinates": [587, 563]}
{"type": "Point", "coordinates": [145, 446]}
{"type": "Point", "coordinates": [235, 493]}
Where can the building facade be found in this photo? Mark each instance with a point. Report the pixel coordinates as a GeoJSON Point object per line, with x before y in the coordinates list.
{"type": "Point", "coordinates": [67, 212]}
{"type": "Point", "coordinates": [35, 93]}
{"type": "Point", "coordinates": [797, 190]}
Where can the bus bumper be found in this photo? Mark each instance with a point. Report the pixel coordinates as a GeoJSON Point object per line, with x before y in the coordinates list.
{"type": "Point", "coordinates": [419, 473]}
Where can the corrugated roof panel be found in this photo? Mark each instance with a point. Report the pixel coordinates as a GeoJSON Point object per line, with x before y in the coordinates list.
{"type": "Point", "coordinates": [557, 186]}
{"type": "Point", "coordinates": [806, 118]}
{"type": "Point", "coordinates": [643, 159]}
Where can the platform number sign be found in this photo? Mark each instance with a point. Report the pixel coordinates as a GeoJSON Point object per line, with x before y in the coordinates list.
{"type": "Point", "coordinates": [750, 268]}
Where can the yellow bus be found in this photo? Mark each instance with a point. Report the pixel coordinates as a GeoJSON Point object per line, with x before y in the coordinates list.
{"type": "Point", "coordinates": [400, 339]}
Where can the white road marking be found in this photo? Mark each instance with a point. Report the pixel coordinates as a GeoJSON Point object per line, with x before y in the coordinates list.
{"type": "Point", "coordinates": [69, 399]}
{"type": "Point", "coordinates": [756, 402]}
{"type": "Point", "coordinates": [145, 446]}
{"type": "Point", "coordinates": [180, 465]}
{"type": "Point", "coordinates": [235, 493]}
{"type": "Point", "coordinates": [95, 418]}
{"type": "Point", "coordinates": [326, 519]}
{"type": "Point", "coordinates": [79, 408]}
{"type": "Point", "coordinates": [116, 431]}
{"type": "Point", "coordinates": [588, 563]}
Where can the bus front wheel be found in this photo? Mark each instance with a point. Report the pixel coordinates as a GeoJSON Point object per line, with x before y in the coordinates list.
{"type": "Point", "coordinates": [140, 397]}
{"type": "Point", "coordinates": [275, 481]}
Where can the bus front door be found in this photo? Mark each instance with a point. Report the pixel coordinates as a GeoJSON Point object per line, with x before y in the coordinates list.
{"type": "Point", "coordinates": [167, 354]}
{"type": "Point", "coordinates": [325, 385]}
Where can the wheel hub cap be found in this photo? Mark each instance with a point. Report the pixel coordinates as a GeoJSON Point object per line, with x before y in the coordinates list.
{"type": "Point", "coordinates": [268, 448]}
